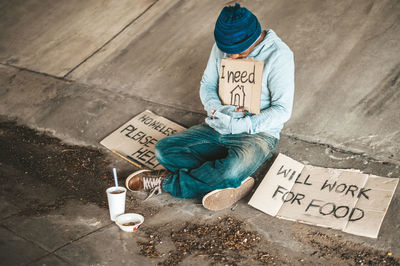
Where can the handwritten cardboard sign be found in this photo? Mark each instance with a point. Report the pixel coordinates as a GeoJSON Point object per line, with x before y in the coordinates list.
{"type": "Point", "coordinates": [136, 139]}
{"type": "Point", "coordinates": [346, 200]}
{"type": "Point", "coordinates": [240, 83]}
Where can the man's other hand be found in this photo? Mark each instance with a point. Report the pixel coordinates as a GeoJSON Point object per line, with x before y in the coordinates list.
{"type": "Point", "coordinates": [232, 111]}
{"type": "Point", "coordinates": [226, 124]}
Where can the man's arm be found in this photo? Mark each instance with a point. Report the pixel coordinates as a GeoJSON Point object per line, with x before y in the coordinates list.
{"type": "Point", "coordinates": [281, 86]}
{"type": "Point", "coordinates": [209, 83]}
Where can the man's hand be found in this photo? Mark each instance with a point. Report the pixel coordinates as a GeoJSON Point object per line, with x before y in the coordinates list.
{"type": "Point", "coordinates": [220, 122]}
{"type": "Point", "coordinates": [232, 111]}
{"type": "Point", "coordinates": [241, 125]}
{"type": "Point", "coordinates": [226, 124]}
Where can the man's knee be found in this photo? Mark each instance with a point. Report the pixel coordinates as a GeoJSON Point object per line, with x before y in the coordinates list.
{"type": "Point", "coordinates": [243, 162]}
{"type": "Point", "coordinates": [164, 147]}
{"type": "Point", "coordinates": [164, 143]}
{"type": "Point", "coordinates": [160, 149]}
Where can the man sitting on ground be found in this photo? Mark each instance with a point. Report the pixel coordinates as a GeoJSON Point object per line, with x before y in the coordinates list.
{"type": "Point", "coordinates": [214, 161]}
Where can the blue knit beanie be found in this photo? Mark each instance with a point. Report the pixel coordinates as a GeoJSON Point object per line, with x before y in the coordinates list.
{"type": "Point", "coordinates": [236, 29]}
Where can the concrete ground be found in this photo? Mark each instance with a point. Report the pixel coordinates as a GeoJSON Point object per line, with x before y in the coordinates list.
{"type": "Point", "coordinates": [79, 69]}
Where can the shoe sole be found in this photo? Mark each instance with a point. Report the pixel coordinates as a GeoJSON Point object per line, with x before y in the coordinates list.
{"type": "Point", "coordinates": [132, 175]}
{"type": "Point", "coordinates": [223, 198]}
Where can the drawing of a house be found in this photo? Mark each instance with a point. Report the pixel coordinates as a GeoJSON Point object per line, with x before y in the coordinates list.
{"type": "Point", "coordinates": [238, 96]}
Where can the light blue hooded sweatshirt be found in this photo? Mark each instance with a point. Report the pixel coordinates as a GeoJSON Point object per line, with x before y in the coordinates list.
{"type": "Point", "coordinates": [277, 85]}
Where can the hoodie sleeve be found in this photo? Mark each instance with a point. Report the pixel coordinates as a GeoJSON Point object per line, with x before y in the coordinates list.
{"type": "Point", "coordinates": [209, 83]}
{"type": "Point", "coordinates": [280, 82]}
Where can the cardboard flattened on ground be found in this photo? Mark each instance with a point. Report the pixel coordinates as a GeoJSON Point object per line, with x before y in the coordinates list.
{"type": "Point", "coordinates": [347, 200]}
{"type": "Point", "coordinates": [240, 83]}
{"type": "Point", "coordinates": [136, 139]}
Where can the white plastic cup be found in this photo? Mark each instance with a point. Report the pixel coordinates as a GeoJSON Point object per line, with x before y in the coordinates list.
{"type": "Point", "coordinates": [116, 201]}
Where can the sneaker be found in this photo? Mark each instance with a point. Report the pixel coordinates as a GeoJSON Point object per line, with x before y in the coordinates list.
{"type": "Point", "coordinates": [146, 180]}
{"type": "Point", "coordinates": [223, 198]}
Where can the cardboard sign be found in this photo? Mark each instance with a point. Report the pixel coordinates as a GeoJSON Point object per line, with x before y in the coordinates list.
{"type": "Point", "coordinates": [347, 200]}
{"type": "Point", "coordinates": [240, 83]}
{"type": "Point", "coordinates": [135, 140]}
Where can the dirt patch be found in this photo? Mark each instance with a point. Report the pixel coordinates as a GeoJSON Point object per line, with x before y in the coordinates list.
{"type": "Point", "coordinates": [228, 241]}
{"type": "Point", "coordinates": [78, 172]}
{"type": "Point", "coordinates": [335, 249]}
{"type": "Point", "coordinates": [225, 241]}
